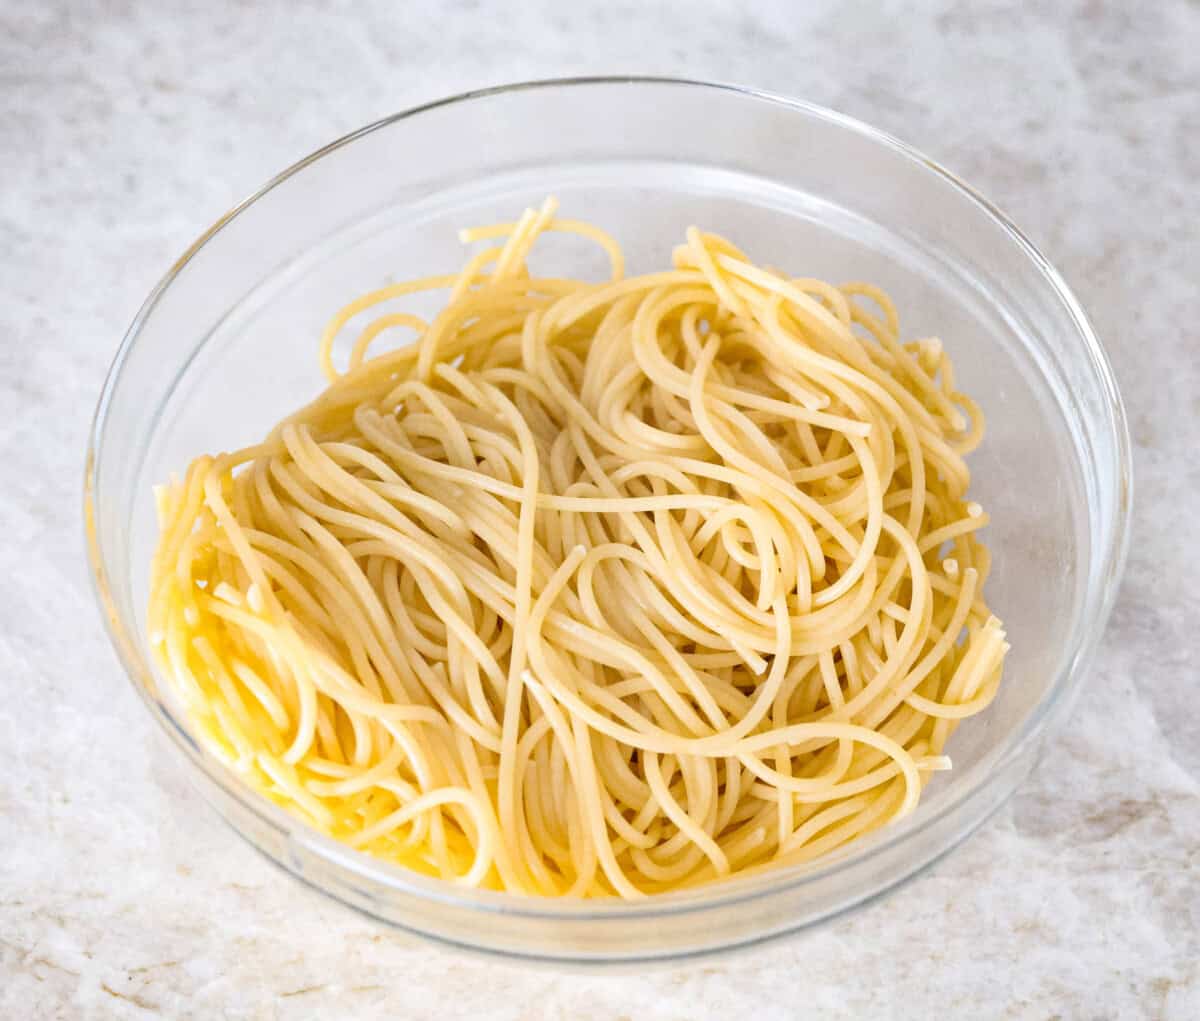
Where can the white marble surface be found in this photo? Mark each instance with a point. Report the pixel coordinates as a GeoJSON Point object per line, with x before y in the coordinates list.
{"type": "Point", "coordinates": [126, 128]}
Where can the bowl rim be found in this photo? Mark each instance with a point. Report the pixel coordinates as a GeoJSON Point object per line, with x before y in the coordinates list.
{"type": "Point", "coordinates": [1106, 567]}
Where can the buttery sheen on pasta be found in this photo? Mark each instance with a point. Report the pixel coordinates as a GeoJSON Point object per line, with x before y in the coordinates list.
{"type": "Point", "coordinates": [597, 588]}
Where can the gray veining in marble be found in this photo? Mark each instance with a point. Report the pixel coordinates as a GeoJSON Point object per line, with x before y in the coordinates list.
{"type": "Point", "coordinates": [126, 128]}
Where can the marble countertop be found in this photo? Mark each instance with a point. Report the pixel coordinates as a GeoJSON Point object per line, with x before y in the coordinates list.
{"type": "Point", "coordinates": [127, 128]}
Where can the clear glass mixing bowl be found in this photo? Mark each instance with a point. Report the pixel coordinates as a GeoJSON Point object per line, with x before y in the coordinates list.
{"type": "Point", "coordinates": [226, 345]}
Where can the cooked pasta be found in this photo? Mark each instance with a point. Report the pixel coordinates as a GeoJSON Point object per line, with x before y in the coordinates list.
{"type": "Point", "coordinates": [594, 589]}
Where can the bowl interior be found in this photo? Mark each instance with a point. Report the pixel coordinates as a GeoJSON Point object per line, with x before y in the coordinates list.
{"type": "Point", "coordinates": [229, 346]}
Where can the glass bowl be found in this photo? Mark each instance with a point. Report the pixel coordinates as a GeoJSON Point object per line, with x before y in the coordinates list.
{"type": "Point", "coordinates": [226, 345]}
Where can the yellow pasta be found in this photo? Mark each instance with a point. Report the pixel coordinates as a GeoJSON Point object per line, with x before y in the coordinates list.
{"type": "Point", "coordinates": [595, 589]}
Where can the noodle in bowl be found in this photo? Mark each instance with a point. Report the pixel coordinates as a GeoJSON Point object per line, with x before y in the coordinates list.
{"type": "Point", "coordinates": [596, 589]}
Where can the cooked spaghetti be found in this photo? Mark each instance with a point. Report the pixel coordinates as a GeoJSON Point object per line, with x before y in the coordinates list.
{"type": "Point", "coordinates": [596, 588]}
